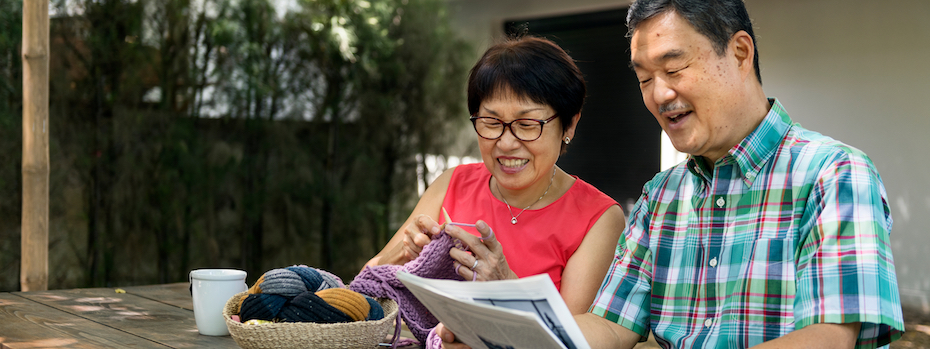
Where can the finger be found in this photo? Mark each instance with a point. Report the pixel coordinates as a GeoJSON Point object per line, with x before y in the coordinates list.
{"type": "Point", "coordinates": [470, 241]}
{"type": "Point", "coordinates": [420, 240]}
{"type": "Point", "coordinates": [487, 235]}
{"type": "Point", "coordinates": [427, 225]}
{"type": "Point", "coordinates": [463, 271]}
{"type": "Point", "coordinates": [448, 338]}
{"type": "Point", "coordinates": [415, 240]}
{"type": "Point", "coordinates": [411, 250]}
{"type": "Point", "coordinates": [464, 258]}
{"type": "Point", "coordinates": [416, 237]}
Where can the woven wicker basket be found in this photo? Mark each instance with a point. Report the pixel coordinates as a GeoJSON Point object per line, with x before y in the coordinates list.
{"type": "Point", "coordinates": [358, 334]}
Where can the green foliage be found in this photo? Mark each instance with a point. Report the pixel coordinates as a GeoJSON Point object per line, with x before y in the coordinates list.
{"type": "Point", "coordinates": [219, 133]}
{"type": "Point", "coordinates": [11, 132]}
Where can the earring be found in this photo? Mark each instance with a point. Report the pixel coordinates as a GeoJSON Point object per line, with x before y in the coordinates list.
{"type": "Point", "coordinates": [567, 140]}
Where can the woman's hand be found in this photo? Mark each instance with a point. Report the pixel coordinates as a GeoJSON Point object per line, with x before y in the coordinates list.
{"type": "Point", "coordinates": [484, 259]}
{"type": "Point", "coordinates": [448, 338]}
{"type": "Point", "coordinates": [417, 234]}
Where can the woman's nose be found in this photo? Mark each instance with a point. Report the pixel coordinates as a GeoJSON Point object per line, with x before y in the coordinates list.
{"type": "Point", "coordinates": [508, 140]}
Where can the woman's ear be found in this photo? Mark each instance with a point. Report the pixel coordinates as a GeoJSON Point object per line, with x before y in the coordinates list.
{"type": "Point", "coordinates": [570, 131]}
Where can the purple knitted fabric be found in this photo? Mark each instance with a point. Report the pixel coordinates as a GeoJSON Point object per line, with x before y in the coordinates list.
{"type": "Point", "coordinates": [434, 262]}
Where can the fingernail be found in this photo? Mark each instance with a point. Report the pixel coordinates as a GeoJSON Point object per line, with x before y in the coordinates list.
{"type": "Point", "coordinates": [481, 225]}
{"type": "Point", "coordinates": [436, 230]}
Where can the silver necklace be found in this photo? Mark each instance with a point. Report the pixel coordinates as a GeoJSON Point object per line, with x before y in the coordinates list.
{"type": "Point", "coordinates": [513, 219]}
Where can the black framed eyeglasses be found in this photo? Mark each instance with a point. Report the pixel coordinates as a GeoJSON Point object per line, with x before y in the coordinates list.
{"type": "Point", "coordinates": [526, 130]}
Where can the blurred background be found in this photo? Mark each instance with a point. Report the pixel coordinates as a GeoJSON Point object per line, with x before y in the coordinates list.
{"type": "Point", "coordinates": [257, 134]}
{"type": "Point", "coordinates": [251, 134]}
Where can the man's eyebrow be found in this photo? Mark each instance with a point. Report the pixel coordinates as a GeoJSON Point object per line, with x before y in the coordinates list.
{"type": "Point", "coordinates": [667, 56]}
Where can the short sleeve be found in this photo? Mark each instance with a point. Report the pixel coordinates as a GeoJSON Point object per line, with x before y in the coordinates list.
{"type": "Point", "coordinates": [624, 296]}
{"type": "Point", "coordinates": [845, 267]}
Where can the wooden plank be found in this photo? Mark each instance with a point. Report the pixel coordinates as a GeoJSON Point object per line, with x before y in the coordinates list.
{"type": "Point", "coordinates": [27, 324]}
{"type": "Point", "coordinates": [176, 294]}
{"type": "Point", "coordinates": [156, 321]}
{"type": "Point", "coordinates": [35, 168]}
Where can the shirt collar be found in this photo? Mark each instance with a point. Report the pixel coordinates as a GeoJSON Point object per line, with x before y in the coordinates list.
{"type": "Point", "coordinates": [756, 149]}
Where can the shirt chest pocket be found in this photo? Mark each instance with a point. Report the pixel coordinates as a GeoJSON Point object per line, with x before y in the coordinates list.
{"type": "Point", "coordinates": [763, 288]}
{"type": "Point", "coordinates": [771, 260]}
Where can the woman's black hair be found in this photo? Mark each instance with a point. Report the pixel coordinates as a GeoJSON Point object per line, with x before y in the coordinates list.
{"type": "Point", "coordinates": [533, 68]}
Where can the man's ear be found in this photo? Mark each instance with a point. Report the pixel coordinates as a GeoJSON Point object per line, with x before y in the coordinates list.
{"type": "Point", "coordinates": [743, 50]}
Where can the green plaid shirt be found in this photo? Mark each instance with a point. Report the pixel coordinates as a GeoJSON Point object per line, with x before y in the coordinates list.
{"type": "Point", "coordinates": [791, 228]}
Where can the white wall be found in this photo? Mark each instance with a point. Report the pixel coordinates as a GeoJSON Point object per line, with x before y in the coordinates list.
{"type": "Point", "coordinates": [855, 70]}
{"type": "Point", "coordinates": [481, 21]}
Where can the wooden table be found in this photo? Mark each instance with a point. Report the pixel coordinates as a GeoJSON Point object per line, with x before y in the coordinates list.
{"type": "Point", "coordinates": [157, 316]}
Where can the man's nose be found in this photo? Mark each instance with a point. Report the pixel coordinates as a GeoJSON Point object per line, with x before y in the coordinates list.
{"type": "Point", "coordinates": [663, 92]}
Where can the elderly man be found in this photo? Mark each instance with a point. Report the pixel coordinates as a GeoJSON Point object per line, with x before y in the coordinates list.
{"type": "Point", "coordinates": [769, 235]}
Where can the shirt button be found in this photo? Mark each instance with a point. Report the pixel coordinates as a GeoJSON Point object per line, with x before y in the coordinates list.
{"type": "Point", "coordinates": [721, 201]}
{"type": "Point", "coordinates": [713, 262]}
{"type": "Point", "coordinates": [708, 322]}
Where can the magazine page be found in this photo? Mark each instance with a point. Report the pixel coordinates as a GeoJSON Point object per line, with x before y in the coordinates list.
{"type": "Point", "coordinates": [478, 309]}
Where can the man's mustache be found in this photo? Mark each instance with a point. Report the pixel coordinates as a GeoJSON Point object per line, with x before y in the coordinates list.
{"type": "Point", "coordinates": [672, 106]}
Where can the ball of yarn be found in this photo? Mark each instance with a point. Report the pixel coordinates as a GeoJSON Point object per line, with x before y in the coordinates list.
{"type": "Point", "coordinates": [281, 282]}
{"type": "Point", "coordinates": [349, 302]}
{"type": "Point", "coordinates": [304, 294]}
{"type": "Point", "coordinates": [310, 276]}
{"type": "Point", "coordinates": [261, 306]}
{"type": "Point", "coordinates": [376, 312]}
{"type": "Point", "coordinates": [308, 307]}
{"type": "Point", "coordinates": [330, 280]}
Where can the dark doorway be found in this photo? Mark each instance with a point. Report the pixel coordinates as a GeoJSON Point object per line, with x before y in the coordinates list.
{"type": "Point", "coordinates": [617, 143]}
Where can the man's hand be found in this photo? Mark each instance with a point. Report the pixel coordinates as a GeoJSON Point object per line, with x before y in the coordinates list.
{"type": "Point", "coordinates": [603, 333]}
{"type": "Point", "coordinates": [817, 336]}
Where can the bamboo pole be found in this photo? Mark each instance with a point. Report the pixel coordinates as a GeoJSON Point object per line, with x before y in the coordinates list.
{"type": "Point", "coordinates": [34, 266]}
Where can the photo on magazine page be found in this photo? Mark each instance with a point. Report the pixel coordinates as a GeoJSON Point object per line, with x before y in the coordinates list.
{"type": "Point", "coordinates": [539, 307]}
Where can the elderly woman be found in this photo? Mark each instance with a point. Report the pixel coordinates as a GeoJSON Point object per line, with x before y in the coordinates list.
{"type": "Point", "coordinates": [525, 97]}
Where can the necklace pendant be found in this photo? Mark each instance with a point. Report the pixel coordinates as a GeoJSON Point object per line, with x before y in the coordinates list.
{"type": "Point", "coordinates": [513, 220]}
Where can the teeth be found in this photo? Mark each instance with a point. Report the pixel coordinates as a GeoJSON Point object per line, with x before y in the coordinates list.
{"type": "Point", "coordinates": [513, 162]}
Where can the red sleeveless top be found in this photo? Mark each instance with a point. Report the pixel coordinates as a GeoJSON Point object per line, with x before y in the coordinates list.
{"type": "Point", "coordinates": [544, 239]}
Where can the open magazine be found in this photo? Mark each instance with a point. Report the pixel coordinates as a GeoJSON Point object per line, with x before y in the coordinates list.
{"type": "Point", "coordinates": [522, 313]}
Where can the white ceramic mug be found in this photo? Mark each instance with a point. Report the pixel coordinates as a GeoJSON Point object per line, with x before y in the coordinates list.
{"type": "Point", "coordinates": [211, 288]}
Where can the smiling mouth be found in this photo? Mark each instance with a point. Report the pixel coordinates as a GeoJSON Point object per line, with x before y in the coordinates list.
{"type": "Point", "coordinates": [513, 162]}
{"type": "Point", "coordinates": [678, 117]}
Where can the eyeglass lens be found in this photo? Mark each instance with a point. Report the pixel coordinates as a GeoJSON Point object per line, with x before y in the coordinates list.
{"type": "Point", "coordinates": [523, 129]}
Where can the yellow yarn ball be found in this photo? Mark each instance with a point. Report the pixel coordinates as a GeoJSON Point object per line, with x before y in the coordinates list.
{"type": "Point", "coordinates": [349, 302]}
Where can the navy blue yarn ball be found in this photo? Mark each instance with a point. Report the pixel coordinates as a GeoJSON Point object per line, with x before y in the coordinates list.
{"type": "Point", "coordinates": [376, 312]}
{"type": "Point", "coordinates": [308, 307]}
{"type": "Point", "coordinates": [312, 279]}
{"type": "Point", "coordinates": [261, 306]}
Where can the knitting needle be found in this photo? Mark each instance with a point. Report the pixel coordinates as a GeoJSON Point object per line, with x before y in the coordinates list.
{"type": "Point", "coordinates": [445, 214]}
{"type": "Point", "coordinates": [450, 222]}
